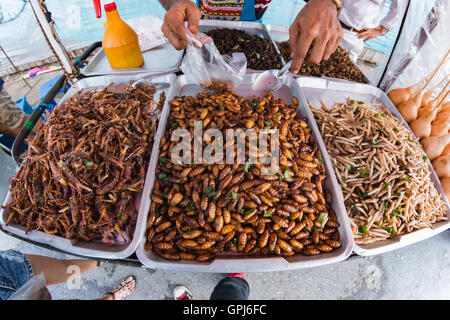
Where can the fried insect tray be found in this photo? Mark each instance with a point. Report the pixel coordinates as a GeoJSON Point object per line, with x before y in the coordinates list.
{"type": "Point", "coordinates": [330, 92]}
{"type": "Point", "coordinates": [253, 28]}
{"type": "Point", "coordinates": [98, 249]}
{"type": "Point", "coordinates": [239, 263]}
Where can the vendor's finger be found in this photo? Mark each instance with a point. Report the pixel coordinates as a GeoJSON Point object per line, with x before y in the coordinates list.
{"type": "Point", "coordinates": [301, 50]}
{"type": "Point", "coordinates": [363, 34]}
{"type": "Point", "coordinates": [173, 38]}
{"type": "Point", "coordinates": [193, 16]}
{"type": "Point", "coordinates": [293, 37]}
{"type": "Point", "coordinates": [330, 48]}
{"type": "Point", "coordinates": [176, 26]}
{"type": "Point", "coordinates": [317, 50]}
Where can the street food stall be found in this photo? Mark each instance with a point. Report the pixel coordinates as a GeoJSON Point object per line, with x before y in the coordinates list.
{"type": "Point", "coordinates": [361, 170]}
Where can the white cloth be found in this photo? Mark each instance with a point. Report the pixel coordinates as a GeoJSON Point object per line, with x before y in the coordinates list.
{"type": "Point", "coordinates": [366, 13]}
{"type": "Point", "coordinates": [352, 44]}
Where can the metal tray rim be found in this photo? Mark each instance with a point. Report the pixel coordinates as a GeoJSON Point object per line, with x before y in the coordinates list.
{"type": "Point", "coordinates": [66, 244]}
{"type": "Point", "coordinates": [256, 264]}
{"type": "Point", "coordinates": [403, 240]}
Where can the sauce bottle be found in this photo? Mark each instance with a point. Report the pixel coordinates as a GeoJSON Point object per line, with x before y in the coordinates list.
{"type": "Point", "coordinates": [120, 42]}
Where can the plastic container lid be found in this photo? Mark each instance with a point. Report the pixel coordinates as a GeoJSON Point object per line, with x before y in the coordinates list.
{"type": "Point", "coordinates": [110, 6]}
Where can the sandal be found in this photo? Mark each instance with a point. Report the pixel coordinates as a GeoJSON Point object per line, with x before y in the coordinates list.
{"type": "Point", "coordinates": [124, 289]}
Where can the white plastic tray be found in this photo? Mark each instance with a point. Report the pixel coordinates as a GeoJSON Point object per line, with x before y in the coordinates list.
{"type": "Point", "coordinates": [98, 249]}
{"type": "Point", "coordinates": [331, 91]}
{"type": "Point", "coordinates": [237, 263]}
{"type": "Point", "coordinates": [164, 59]}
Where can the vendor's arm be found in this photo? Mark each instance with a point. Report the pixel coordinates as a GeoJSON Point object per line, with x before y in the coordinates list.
{"type": "Point", "coordinates": [179, 11]}
{"type": "Point", "coordinates": [315, 27]}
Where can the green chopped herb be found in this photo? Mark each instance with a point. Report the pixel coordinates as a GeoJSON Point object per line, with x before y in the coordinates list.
{"type": "Point", "coordinates": [210, 192]}
{"type": "Point", "coordinates": [376, 115]}
{"type": "Point", "coordinates": [248, 210]}
{"type": "Point", "coordinates": [391, 230]}
{"type": "Point", "coordinates": [362, 229]}
{"type": "Point", "coordinates": [235, 47]}
{"type": "Point", "coordinates": [163, 161]}
{"type": "Point", "coordinates": [364, 196]}
{"type": "Point", "coordinates": [386, 205]}
{"type": "Point", "coordinates": [383, 114]}
{"type": "Point", "coordinates": [360, 102]}
{"type": "Point", "coordinates": [409, 139]}
{"type": "Point", "coordinates": [344, 181]}
{"type": "Point", "coordinates": [221, 107]}
{"type": "Point", "coordinates": [352, 101]}
{"type": "Point", "coordinates": [316, 116]}
{"type": "Point", "coordinates": [240, 39]}
{"type": "Point", "coordinates": [424, 158]}
{"type": "Point", "coordinates": [320, 122]}
{"type": "Point", "coordinates": [255, 105]}
{"type": "Point", "coordinates": [286, 174]}
{"type": "Point", "coordinates": [373, 142]}
{"type": "Point", "coordinates": [189, 207]}
{"type": "Point", "coordinates": [174, 125]}
{"type": "Point", "coordinates": [387, 184]}
{"type": "Point", "coordinates": [323, 218]}
{"type": "Point", "coordinates": [234, 241]}
{"type": "Point", "coordinates": [320, 160]}
{"type": "Point", "coordinates": [212, 124]}
{"type": "Point", "coordinates": [256, 54]}
{"type": "Point", "coordinates": [351, 169]}
{"type": "Point", "coordinates": [163, 178]}
{"type": "Point", "coordinates": [119, 214]}
{"type": "Point", "coordinates": [407, 179]}
{"type": "Point", "coordinates": [267, 214]}
{"type": "Point", "coordinates": [87, 163]}
{"type": "Point", "coordinates": [165, 195]}
{"type": "Point", "coordinates": [247, 166]}
{"type": "Point", "coordinates": [268, 124]}
{"type": "Point", "coordinates": [234, 195]}
{"type": "Point", "coordinates": [227, 202]}
{"type": "Point", "coordinates": [363, 172]}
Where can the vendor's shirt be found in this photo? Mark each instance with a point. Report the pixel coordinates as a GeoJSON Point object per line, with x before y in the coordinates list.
{"type": "Point", "coordinates": [229, 10]}
{"type": "Point", "coordinates": [366, 13]}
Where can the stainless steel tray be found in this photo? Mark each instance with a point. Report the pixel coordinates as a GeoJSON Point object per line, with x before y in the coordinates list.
{"type": "Point", "coordinates": [254, 28]}
{"type": "Point", "coordinates": [330, 91]}
{"type": "Point", "coordinates": [99, 249]}
{"type": "Point", "coordinates": [164, 59]}
{"type": "Point", "coordinates": [233, 263]}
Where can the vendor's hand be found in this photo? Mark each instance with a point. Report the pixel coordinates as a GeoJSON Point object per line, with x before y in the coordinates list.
{"type": "Point", "coordinates": [315, 26]}
{"type": "Point", "coordinates": [371, 33]}
{"type": "Point", "coordinates": [173, 26]}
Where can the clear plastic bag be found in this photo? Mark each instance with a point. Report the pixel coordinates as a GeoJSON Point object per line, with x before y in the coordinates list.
{"type": "Point", "coordinates": [203, 63]}
{"type": "Point", "coordinates": [33, 289]}
{"type": "Point", "coordinates": [422, 44]}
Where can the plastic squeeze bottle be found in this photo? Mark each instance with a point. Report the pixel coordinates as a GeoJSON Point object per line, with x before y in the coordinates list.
{"type": "Point", "coordinates": [120, 42]}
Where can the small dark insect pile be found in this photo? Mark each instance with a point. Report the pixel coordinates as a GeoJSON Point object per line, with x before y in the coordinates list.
{"type": "Point", "coordinates": [86, 165]}
{"type": "Point", "coordinates": [339, 65]}
{"type": "Point", "coordinates": [260, 53]}
{"type": "Point", "coordinates": [200, 210]}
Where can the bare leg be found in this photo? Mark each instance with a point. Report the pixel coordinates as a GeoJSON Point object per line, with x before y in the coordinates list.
{"type": "Point", "coordinates": [55, 270]}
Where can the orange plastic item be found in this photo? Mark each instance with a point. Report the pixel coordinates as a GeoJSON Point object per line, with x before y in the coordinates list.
{"type": "Point", "coordinates": [120, 42]}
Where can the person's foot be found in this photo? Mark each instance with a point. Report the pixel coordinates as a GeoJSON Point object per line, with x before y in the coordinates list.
{"type": "Point", "coordinates": [124, 289]}
{"type": "Point", "coordinates": [237, 275]}
{"type": "Point", "coordinates": [182, 293]}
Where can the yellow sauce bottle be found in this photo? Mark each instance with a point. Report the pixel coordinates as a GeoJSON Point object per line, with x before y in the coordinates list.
{"type": "Point", "coordinates": [120, 42]}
